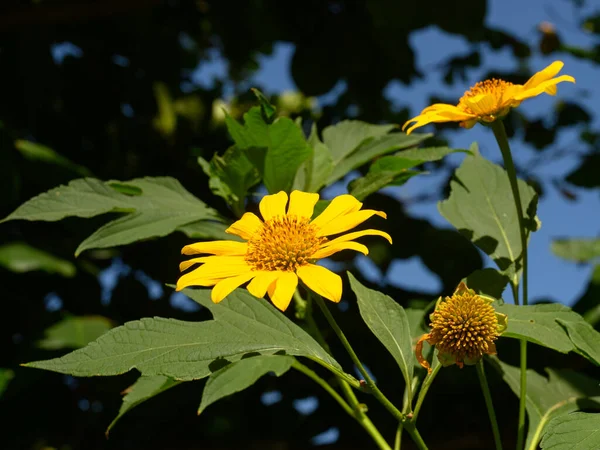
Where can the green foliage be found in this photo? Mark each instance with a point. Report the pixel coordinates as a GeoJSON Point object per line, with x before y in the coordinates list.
{"type": "Point", "coordinates": [315, 171]}
{"type": "Point", "coordinates": [388, 321]}
{"type": "Point", "coordinates": [20, 257]}
{"type": "Point", "coordinates": [162, 207]}
{"type": "Point", "coordinates": [487, 281]}
{"type": "Point", "coordinates": [577, 430]}
{"type": "Point", "coordinates": [6, 375]}
{"type": "Point", "coordinates": [74, 332]}
{"type": "Point", "coordinates": [37, 152]}
{"type": "Point", "coordinates": [182, 350]}
{"type": "Point", "coordinates": [554, 326]}
{"type": "Point", "coordinates": [563, 392]}
{"type": "Point", "coordinates": [143, 389]}
{"type": "Point", "coordinates": [237, 376]}
{"type": "Point", "coordinates": [578, 250]}
{"type": "Point", "coordinates": [480, 209]}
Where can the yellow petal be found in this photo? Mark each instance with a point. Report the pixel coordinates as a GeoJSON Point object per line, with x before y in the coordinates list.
{"type": "Point", "coordinates": [221, 267]}
{"type": "Point", "coordinates": [348, 222]}
{"type": "Point", "coordinates": [190, 279]}
{"type": "Point", "coordinates": [330, 250]}
{"type": "Point", "coordinates": [261, 282]}
{"type": "Point", "coordinates": [339, 207]}
{"type": "Point", "coordinates": [273, 205]}
{"type": "Point", "coordinates": [436, 117]}
{"type": "Point", "coordinates": [286, 284]}
{"type": "Point", "coordinates": [546, 86]}
{"type": "Point", "coordinates": [302, 204]}
{"type": "Point", "coordinates": [356, 235]}
{"type": "Point", "coordinates": [544, 75]}
{"type": "Point", "coordinates": [482, 104]}
{"type": "Point", "coordinates": [246, 226]}
{"type": "Point", "coordinates": [216, 248]}
{"type": "Point", "coordinates": [443, 108]}
{"type": "Point", "coordinates": [321, 280]}
{"type": "Point", "coordinates": [224, 287]}
{"type": "Point", "coordinates": [184, 265]}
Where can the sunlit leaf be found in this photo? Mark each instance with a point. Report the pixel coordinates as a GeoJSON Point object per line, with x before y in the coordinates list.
{"type": "Point", "coordinates": [20, 257]}
{"type": "Point", "coordinates": [564, 391]}
{"type": "Point", "coordinates": [181, 350]}
{"type": "Point", "coordinates": [267, 108]}
{"type": "Point", "coordinates": [578, 430]}
{"type": "Point", "coordinates": [74, 332]}
{"type": "Point", "coordinates": [344, 137]}
{"type": "Point", "coordinates": [237, 376]}
{"type": "Point", "coordinates": [314, 172]}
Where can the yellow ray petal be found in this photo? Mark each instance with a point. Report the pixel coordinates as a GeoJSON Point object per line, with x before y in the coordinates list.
{"type": "Point", "coordinates": [284, 289]}
{"type": "Point", "coordinates": [330, 250]}
{"type": "Point", "coordinates": [339, 207]}
{"type": "Point", "coordinates": [224, 287]}
{"type": "Point", "coordinates": [191, 279]}
{"type": "Point", "coordinates": [221, 267]}
{"type": "Point", "coordinates": [321, 280]}
{"type": "Point", "coordinates": [184, 265]}
{"type": "Point", "coordinates": [544, 75]}
{"type": "Point", "coordinates": [435, 117]}
{"type": "Point", "coordinates": [356, 235]}
{"type": "Point", "coordinates": [348, 222]}
{"type": "Point", "coordinates": [302, 204]}
{"type": "Point", "coordinates": [273, 205]}
{"type": "Point", "coordinates": [482, 104]}
{"type": "Point", "coordinates": [261, 282]}
{"type": "Point", "coordinates": [246, 226]}
{"type": "Point", "coordinates": [216, 248]}
{"type": "Point", "coordinates": [443, 107]}
{"type": "Point", "coordinates": [546, 86]}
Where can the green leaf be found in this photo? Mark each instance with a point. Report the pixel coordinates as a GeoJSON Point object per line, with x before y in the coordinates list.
{"type": "Point", "coordinates": [19, 257]}
{"type": "Point", "coordinates": [564, 391]}
{"type": "Point", "coordinates": [388, 321]}
{"type": "Point", "coordinates": [192, 350]}
{"type": "Point", "coordinates": [385, 171]}
{"type": "Point", "coordinates": [578, 250]}
{"type": "Point", "coordinates": [207, 229]}
{"type": "Point", "coordinates": [429, 154]}
{"type": "Point", "coordinates": [314, 172]}
{"type": "Point", "coordinates": [373, 148]}
{"type": "Point", "coordinates": [554, 326]}
{"type": "Point", "coordinates": [579, 430]}
{"type": "Point", "coordinates": [231, 175]}
{"type": "Point", "coordinates": [237, 376]}
{"type": "Point", "coordinates": [37, 152]}
{"type": "Point", "coordinates": [143, 389]}
{"type": "Point", "coordinates": [254, 132]}
{"type": "Point", "coordinates": [481, 207]}
{"type": "Point", "coordinates": [345, 136]}
{"type": "Point", "coordinates": [6, 375]}
{"type": "Point", "coordinates": [267, 109]}
{"type": "Point", "coordinates": [74, 332]}
{"type": "Point", "coordinates": [487, 281]}
{"type": "Point", "coordinates": [585, 338]}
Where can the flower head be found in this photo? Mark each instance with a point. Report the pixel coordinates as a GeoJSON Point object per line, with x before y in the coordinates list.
{"type": "Point", "coordinates": [280, 248]}
{"type": "Point", "coordinates": [463, 328]}
{"type": "Point", "coordinates": [490, 100]}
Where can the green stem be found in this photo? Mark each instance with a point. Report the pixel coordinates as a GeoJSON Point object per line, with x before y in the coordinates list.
{"type": "Point", "coordinates": [488, 404]}
{"type": "Point", "coordinates": [355, 412]}
{"type": "Point", "coordinates": [500, 135]}
{"type": "Point", "coordinates": [423, 391]}
{"type": "Point", "coordinates": [398, 440]}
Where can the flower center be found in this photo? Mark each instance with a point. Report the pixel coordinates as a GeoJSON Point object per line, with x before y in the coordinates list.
{"type": "Point", "coordinates": [465, 325]}
{"type": "Point", "coordinates": [284, 243]}
{"type": "Point", "coordinates": [494, 88]}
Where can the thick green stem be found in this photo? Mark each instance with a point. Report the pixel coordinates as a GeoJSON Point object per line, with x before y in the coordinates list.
{"type": "Point", "coordinates": [353, 412]}
{"type": "Point", "coordinates": [500, 135]}
{"type": "Point", "coordinates": [423, 391]}
{"type": "Point", "coordinates": [488, 404]}
{"type": "Point", "coordinates": [398, 440]}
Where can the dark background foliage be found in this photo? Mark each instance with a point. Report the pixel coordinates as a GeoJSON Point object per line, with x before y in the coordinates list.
{"type": "Point", "coordinates": [102, 109]}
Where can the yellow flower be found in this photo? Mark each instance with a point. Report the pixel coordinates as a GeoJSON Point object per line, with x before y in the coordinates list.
{"type": "Point", "coordinates": [463, 328]}
{"type": "Point", "coordinates": [281, 249]}
{"type": "Point", "coordinates": [490, 99]}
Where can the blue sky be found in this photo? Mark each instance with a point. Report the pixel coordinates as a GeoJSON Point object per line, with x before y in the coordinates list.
{"type": "Point", "coordinates": [550, 277]}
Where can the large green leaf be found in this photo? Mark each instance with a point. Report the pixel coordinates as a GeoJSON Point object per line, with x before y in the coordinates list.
{"type": "Point", "coordinates": [181, 350]}
{"type": "Point", "coordinates": [578, 250]}
{"type": "Point", "coordinates": [481, 207]}
{"type": "Point", "coordinates": [74, 332]}
{"type": "Point", "coordinates": [554, 326]}
{"type": "Point", "coordinates": [576, 431]}
{"type": "Point", "coordinates": [237, 376]}
{"type": "Point", "coordinates": [371, 149]}
{"type": "Point", "coordinates": [562, 392]}
{"type": "Point", "coordinates": [344, 137]}
{"type": "Point", "coordinates": [159, 207]}
{"type": "Point", "coordinates": [487, 281]}
{"type": "Point", "coordinates": [388, 321]}
{"type": "Point", "coordinates": [143, 389]}
{"type": "Point", "coordinates": [314, 172]}
{"type": "Point", "coordinates": [20, 257]}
